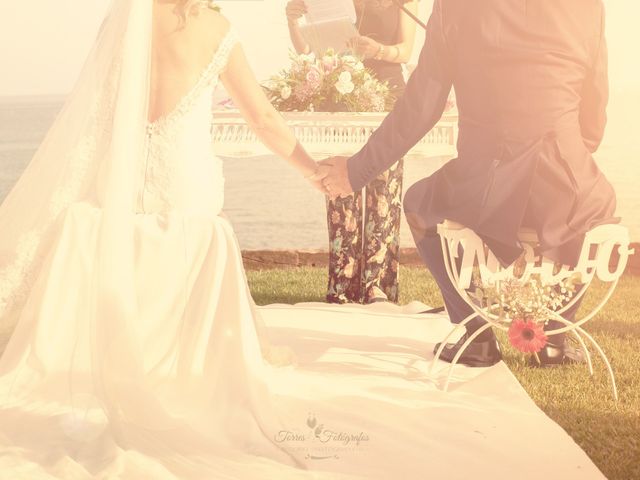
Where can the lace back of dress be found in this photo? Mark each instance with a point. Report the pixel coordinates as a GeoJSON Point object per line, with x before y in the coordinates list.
{"type": "Point", "coordinates": [180, 171]}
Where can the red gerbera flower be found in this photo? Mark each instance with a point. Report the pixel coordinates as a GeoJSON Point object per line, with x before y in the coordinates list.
{"type": "Point", "coordinates": [527, 336]}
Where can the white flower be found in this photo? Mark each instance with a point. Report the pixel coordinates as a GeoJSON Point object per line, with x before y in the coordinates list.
{"type": "Point", "coordinates": [358, 67]}
{"type": "Point", "coordinates": [285, 92]}
{"type": "Point", "coordinates": [328, 59]}
{"type": "Point", "coordinates": [310, 58]}
{"type": "Point", "coordinates": [345, 88]}
{"type": "Point", "coordinates": [345, 77]}
{"type": "Point", "coordinates": [350, 59]}
{"type": "Point", "coordinates": [273, 83]}
{"type": "Point", "coordinates": [345, 84]}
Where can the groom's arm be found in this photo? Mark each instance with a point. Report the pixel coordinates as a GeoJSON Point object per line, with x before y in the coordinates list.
{"type": "Point", "coordinates": [414, 114]}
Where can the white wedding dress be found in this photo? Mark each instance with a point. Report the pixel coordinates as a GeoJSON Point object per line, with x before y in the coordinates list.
{"type": "Point", "coordinates": [207, 405]}
{"type": "Point", "coordinates": [196, 322]}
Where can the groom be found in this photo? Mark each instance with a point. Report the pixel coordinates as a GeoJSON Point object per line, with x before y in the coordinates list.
{"type": "Point", "coordinates": [531, 84]}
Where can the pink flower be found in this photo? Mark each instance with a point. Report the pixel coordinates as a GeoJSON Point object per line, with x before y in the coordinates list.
{"type": "Point", "coordinates": [527, 336]}
{"type": "Point", "coordinates": [313, 78]}
{"type": "Point", "coordinates": [303, 92]}
{"type": "Point", "coordinates": [329, 63]}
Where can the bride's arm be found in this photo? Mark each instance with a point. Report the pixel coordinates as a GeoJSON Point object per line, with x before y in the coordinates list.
{"type": "Point", "coordinates": [262, 117]}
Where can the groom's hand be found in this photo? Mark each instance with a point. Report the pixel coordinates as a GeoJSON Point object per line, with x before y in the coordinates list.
{"type": "Point", "coordinates": [317, 178]}
{"type": "Point", "coordinates": [336, 180]}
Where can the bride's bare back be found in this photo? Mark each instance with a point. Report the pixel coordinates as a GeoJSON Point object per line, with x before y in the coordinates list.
{"type": "Point", "coordinates": [181, 50]}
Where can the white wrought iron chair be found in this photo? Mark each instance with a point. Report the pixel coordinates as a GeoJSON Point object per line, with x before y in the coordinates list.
{"type": "Point", "coordinates": [605, 246]}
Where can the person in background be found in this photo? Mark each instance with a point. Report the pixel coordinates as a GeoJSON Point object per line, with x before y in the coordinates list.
{"type": "Point", "coordinates": [363, 257]}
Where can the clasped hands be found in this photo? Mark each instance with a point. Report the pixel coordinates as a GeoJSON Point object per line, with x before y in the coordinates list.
{"type": "Point", "coordinates": [332, 177]}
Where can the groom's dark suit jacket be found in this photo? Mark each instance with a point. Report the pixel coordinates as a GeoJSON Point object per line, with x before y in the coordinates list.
{"type": "Point", "coordinates": [530, 78]}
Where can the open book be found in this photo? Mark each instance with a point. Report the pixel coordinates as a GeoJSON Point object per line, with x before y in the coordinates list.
{"type": "Point", "coordinates": [329, 24]}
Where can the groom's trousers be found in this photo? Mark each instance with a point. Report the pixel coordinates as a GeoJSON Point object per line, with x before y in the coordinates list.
{"type": "Point", "coordinates": [430, 250]}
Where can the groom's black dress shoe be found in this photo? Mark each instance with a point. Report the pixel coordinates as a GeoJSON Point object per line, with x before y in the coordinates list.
{"type": "Point", "coordinates": [554, 356]}
{"type": "Point", "coordinates": [478, 354]}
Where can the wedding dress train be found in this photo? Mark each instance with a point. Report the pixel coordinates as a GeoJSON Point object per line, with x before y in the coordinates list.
{"type": "Point", "coordinates": [196, 327]}
{"type": "Point", "coordinates": [201, 402]}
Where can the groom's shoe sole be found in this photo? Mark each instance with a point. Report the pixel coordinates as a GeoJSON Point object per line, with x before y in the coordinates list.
{"type": "Point", "coordinates": [475, 363]}
{"type": "Point", "coordinates": [487, 353]}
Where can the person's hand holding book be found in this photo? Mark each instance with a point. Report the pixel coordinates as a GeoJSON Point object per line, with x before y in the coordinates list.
{"type": "Point", "coordinates": [295, 10]}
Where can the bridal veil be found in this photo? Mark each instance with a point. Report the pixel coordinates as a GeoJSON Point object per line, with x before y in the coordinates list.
{"type": "Point", "coordinates": [97, 390]}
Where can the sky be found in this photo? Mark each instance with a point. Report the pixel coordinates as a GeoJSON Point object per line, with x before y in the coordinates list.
{"type": "Point", "coordinates": [43, 43]}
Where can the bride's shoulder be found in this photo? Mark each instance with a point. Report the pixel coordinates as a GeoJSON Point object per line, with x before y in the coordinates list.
{"type": "Point", "coordinates": [193, 39]}
{"type": "Point", "coordinates": [210, 26]}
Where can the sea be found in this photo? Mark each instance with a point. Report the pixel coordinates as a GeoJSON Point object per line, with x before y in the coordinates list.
{"type": "Point", "coordinates": [268, 203]}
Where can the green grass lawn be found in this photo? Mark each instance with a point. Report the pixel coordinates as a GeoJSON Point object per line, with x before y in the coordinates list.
{"type": "Point", "coordinates": [609, 432]}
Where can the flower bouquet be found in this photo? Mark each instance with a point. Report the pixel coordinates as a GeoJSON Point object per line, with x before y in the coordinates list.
{"type": "Point", "coordinates": [527, 305]}
{"type": "Point", "coordinates": [331, 83]}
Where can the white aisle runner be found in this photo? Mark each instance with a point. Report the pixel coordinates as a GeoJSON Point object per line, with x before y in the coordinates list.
{"type": "Point", "coordinates": [362, 384]}
{"type": "Point", "coordinates": [359, 406]}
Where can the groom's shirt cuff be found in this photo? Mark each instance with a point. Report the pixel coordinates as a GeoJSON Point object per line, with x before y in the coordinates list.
{"type": "Point", "coordinates": [361, 171]}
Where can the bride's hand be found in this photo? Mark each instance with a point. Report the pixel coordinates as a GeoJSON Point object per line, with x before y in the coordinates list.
{"type": "Point", "coordinates": [317, 177]}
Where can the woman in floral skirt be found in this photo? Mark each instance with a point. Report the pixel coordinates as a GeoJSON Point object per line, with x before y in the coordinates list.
{"type": "Point", "coordinates": [364, 228]}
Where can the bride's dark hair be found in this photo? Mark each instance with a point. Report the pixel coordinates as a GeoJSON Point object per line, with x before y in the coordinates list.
{"type": "Point", "coordinates": [186, 7]}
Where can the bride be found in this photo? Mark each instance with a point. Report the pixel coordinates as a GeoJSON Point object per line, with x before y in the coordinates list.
{"type": "Point", "coordinates": [134, 322]}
